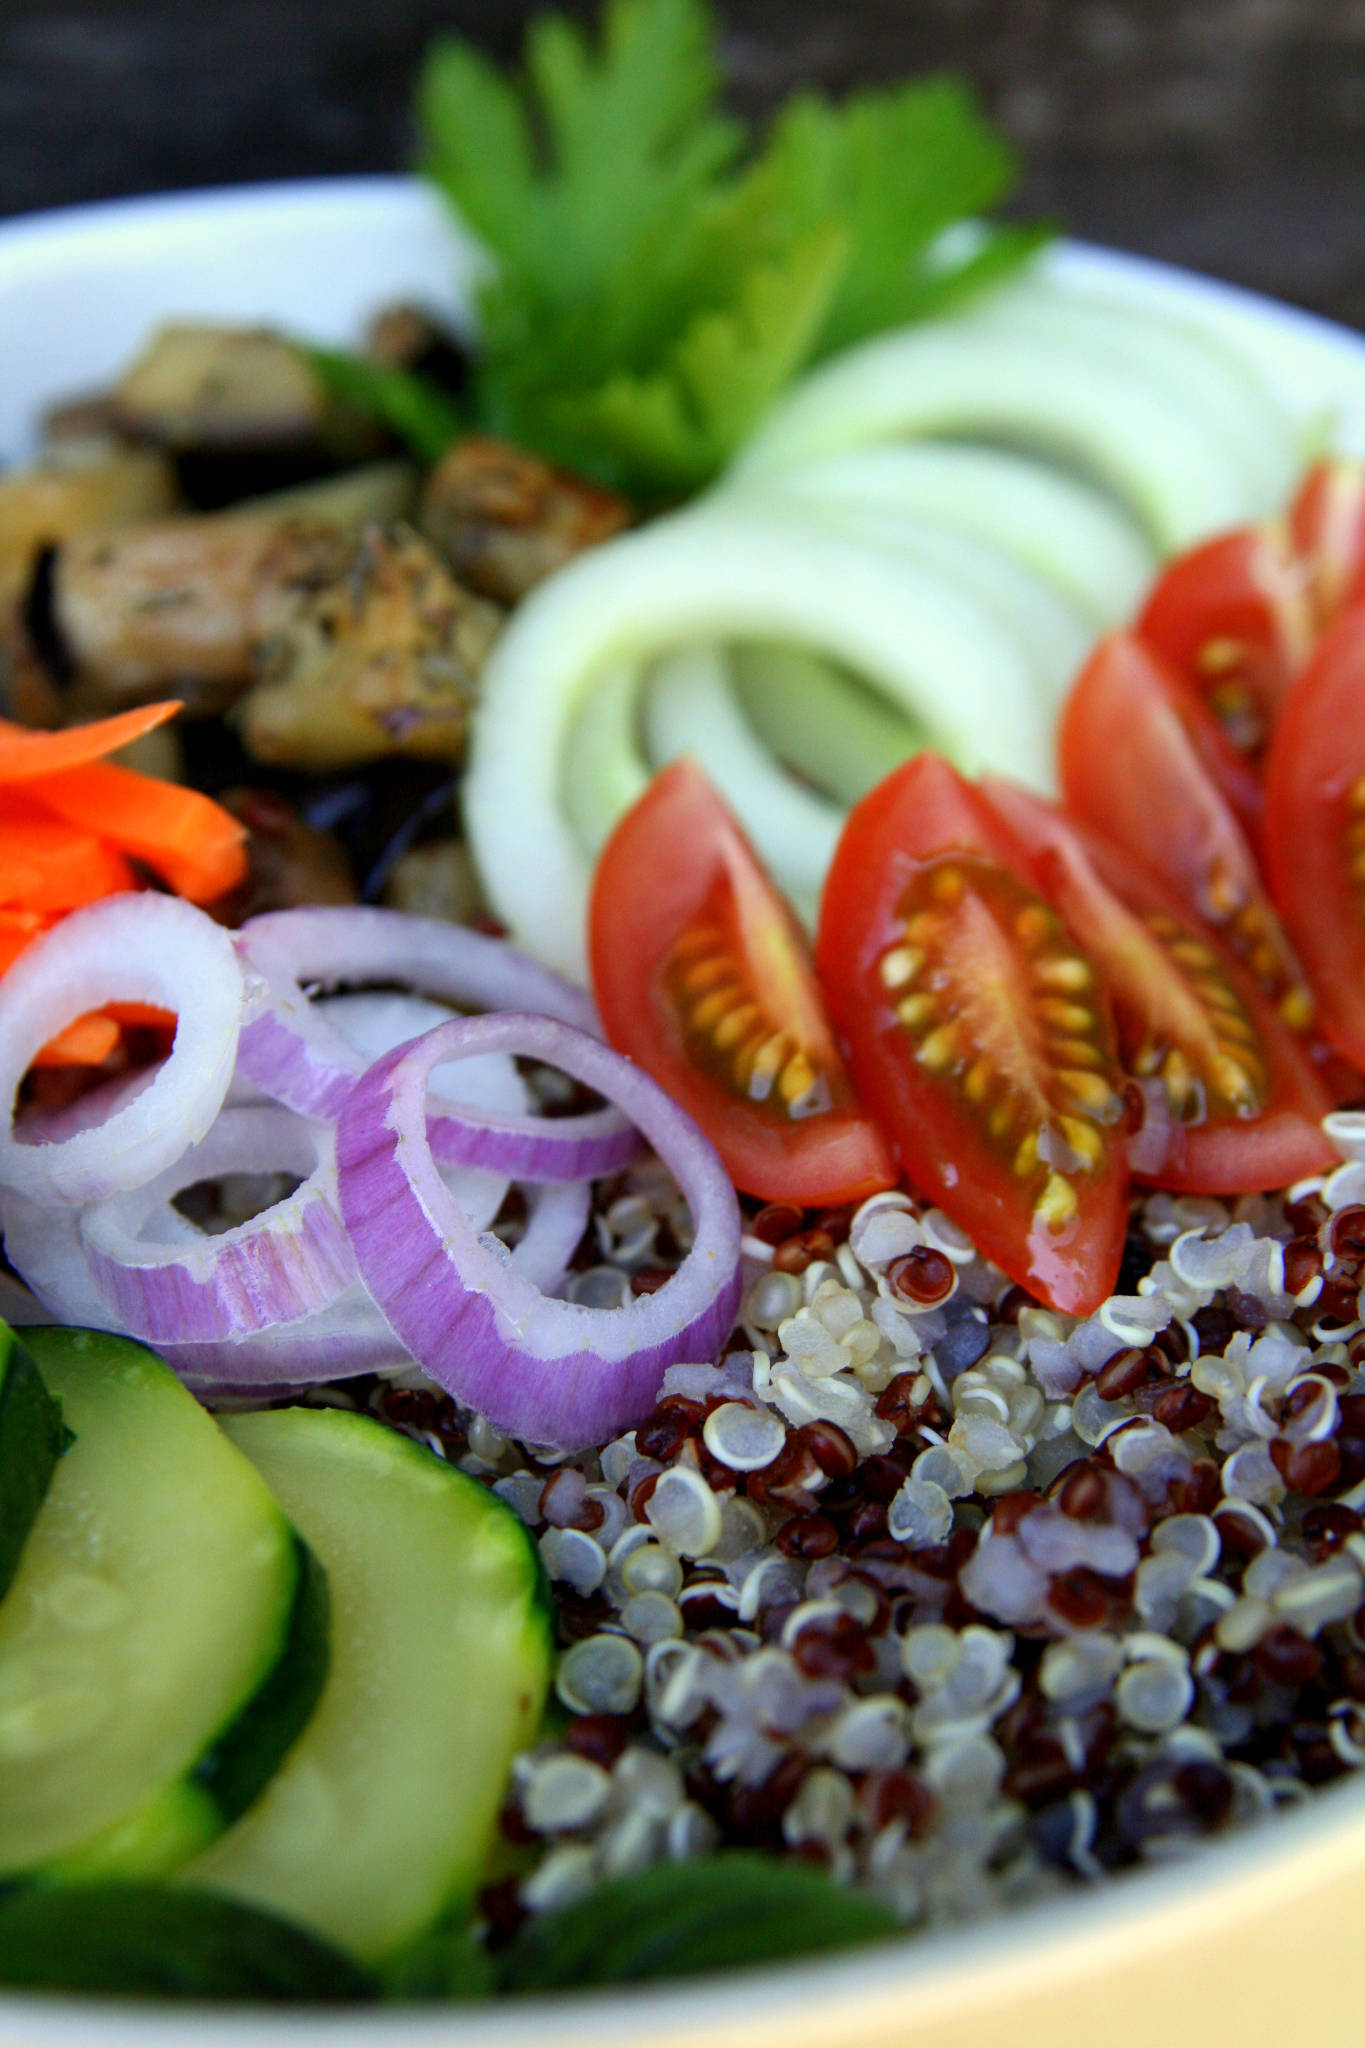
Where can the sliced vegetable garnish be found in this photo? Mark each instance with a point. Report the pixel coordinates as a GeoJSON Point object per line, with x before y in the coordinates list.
{"type": "Point", "coordinates": [194, 845]}
{"type": "Point", "coordinates": [733, 570]}
{"type": "Point", "coordinates": [546, 1370]}
{"type": "Point", "coordinates": [1327, 528]}
{"type": "Point", "coordinates": [1133, 747]}
{"type": "Point", "coordinates": [703, 977]}
{"type": "Point", "coordinates": [26, 753]}
{"type": "Point", "coordinates": [1231, 1101]}
{"type": "Point", "coordinates": [166, 1282]}
{"type": "Point", "coordinates": [1136, 430]}
{"type": "Point", "coordinates": [383, 1814]}
{"type": "Point", "coordinates": [32, 1438]}
{"type": "Point", "coordinates": [165, 1637]}
{"type": "Point", "coordinates": [296, 1056]}
{"type": "Point", "coordinates": [978, 1033]}
{"type": "Point", "coordinates": [1315, 827]}
{"type": "Point", "coordinates": [1234, 620]}
{"type": "Point", "coordinates": [47, 866]}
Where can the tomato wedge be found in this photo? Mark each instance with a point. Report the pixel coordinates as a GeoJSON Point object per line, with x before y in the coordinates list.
{"type": "Point", "coordinates": [1233, 1103]}
{"type": "Point", "coordinates": [1315, 828]}
{"type": "Point", "coordinates": [977, 1033]}
{"type": "Point", "coordinates": [1133, 748]}
{"type": "Point", "coordinates": [1327, 527]}
{"type": "Point", "coordinates": [1235, 620]}
{"type": "Point", "coordinates": [703, 977]}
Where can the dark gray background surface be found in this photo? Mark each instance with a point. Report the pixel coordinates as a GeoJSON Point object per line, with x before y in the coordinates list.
{"type": "Point", "coordinates": [1224, 134]}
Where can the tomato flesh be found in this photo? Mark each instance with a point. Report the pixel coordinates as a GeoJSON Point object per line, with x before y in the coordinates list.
{"type": "Point", "coordinates": [1233, 1103]}
{"type": "Point", "coordinates": [1327, 528]}
{"type": "Point", "coordinates": [1315, 828]}
{"type": "Point", "coordinates": [1235, 621]}
{"type": "Point", "coordinates": [1133, 771]}
{"type": "Point", "coordinates": [703, 977]}
{"type": "Point", "coordinates": [977, 1033]}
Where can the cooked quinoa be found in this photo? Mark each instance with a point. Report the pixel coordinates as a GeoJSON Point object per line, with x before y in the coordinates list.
{"type": "Point", "coordinates": [954, 1596]}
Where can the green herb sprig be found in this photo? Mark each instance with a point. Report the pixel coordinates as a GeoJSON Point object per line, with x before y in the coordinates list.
{"type": "Point", "coordinates": [657, 276]}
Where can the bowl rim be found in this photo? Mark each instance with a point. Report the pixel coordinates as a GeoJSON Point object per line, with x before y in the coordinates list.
{"type": "Point", "coordinates": [1068, 1936]}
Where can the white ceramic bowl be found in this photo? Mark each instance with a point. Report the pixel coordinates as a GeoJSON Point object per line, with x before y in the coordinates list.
{"type": "Point", "coordinates": [1253, 1943]}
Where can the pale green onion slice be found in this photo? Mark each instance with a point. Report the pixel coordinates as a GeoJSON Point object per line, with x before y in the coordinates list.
{"type": "Point", "coordinates": [1123, 427]}
{"type": "Point", "coordinates": [1068, 532]}
{"type": "Point", "coordinates": [824, 723]}
{"type": "Point", "coordinates": [690, 707]}
{"type": "Point", "coordinates": [720, 572]}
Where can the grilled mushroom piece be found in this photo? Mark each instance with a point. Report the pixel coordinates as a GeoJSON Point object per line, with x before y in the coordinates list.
{"type": "Point", "coordinates": [288, 860]}
{"type": "Point", "coordinates": [504, 519]}
{"type": "Point", "coordinates": [181, 604]}
{"type": "Point", "coordinates": [410, 339]}
{"type": "Point", "coordinates": [381, 658]}
{"type": "Point", "coordinates": [242, 410]}
{"type": "Point", "coordinates": [77, 485]}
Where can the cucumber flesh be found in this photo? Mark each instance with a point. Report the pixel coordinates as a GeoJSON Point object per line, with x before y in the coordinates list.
{"type": "Point", "coordinates": [157, 1653]}
{"type": "Point", "coordinates": [1079, 540]}
{"type": "Point", "coordinates": [381, 1816]}
{"type": "Point", "coordinates": [32, 1438]}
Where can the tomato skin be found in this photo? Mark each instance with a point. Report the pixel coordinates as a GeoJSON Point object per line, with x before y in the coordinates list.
{"type": "Point", "coordinates": [676, 869]}
{"type": "Point", "coordinates": [1132, 748]}
{"type": "Point", "coordinates": [1315, 828]}
{"type": "Point", "coordinates": [1234, 620]}
{"type": "Point", "coordinates": [902, 845]}
{"type": "Point", "coordinates": [1110, 903]}
{"type": "Point", "coordinates": [1327, 529]}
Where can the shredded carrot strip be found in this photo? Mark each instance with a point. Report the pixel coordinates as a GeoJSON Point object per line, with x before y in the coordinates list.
{"type": "Point", "coordinates": [49, 865]}
{"type": "Point", "coordinates": [192, 843]}
{"type": "Point", "coordinates": [18, 929]}
{"type": "Point", "coordinates": [26, 752]}
{"type": "Point", "coordinates": [86, 1043]}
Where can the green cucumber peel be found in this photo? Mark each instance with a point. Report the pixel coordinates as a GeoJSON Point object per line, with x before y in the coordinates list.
{"type": "Point", "coordinates": [154, 1941]}
{"type": "Point", "coordinates": [33, 1437]}
{"type": "Point", "coordinates": [238, 1768]}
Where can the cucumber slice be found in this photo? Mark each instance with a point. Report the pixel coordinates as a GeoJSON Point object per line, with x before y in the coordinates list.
{"type": "Point", "coordinates": [165, 1635]}
{"type": "Point", "coordinates": [1067, 531]}
{"type": "Point", "coordinates": [824, 723]}
{"type": "Point", "coordinates": [381, 1816]}
{"type": "Point", "coordinates": [32, 1438]}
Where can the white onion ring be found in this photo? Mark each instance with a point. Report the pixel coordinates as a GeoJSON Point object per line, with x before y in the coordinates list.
{"type": "Point", "coordinates": [142, 948]}
{"type": "Point", "coordinates": [549, 1371]}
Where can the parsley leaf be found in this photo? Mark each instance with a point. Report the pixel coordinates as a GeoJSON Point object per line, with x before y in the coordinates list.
{"type": "Point", "coordinates": [415, 409]}
{"type": "Point", "coordinates": [656, 280]}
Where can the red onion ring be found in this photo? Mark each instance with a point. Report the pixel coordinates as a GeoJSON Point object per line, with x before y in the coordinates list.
{"type": "Point", "coordinates": [141, 948]}
{"type": "Point", "coordinates": [292, 1053]}
{"type": "Point", "coordinates": [185, 1286]}
{"type": "Point", "coordinates": [545, 1370]}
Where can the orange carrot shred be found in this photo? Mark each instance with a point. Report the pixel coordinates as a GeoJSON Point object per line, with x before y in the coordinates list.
{"type": "Point", "coordinates": [87, 1042]}
{"type": "Point", "coordinates": [194, 845]}
{"type": "Point", "coordinates": [26, 752]}
{"type": "Point", "coordinates": [48, 865]}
